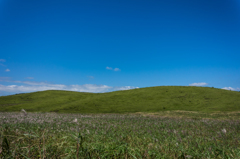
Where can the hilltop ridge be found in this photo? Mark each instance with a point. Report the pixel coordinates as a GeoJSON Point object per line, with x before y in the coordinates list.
{"type": "Point", "coordinates": [150, 99]}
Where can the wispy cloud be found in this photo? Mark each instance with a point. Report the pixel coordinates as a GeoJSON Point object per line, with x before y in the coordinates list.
{"type": "Point", "coordinates": [7, 70]}
{"type": "Point", "coordinates": [2, 60]}
{"type": "Point", "coordinates": [230, 88]}
{"type": "Point", "coordinates": [198, 84]}
{"type": "Point", "coordinates": [89, 88]}
{"type": "Point", "coordinates": [117, 69]}
{"type": "Point", "coordinates": [109, 68]}
{"type": "Point", "coordinates": [79, 88]}
{"type": "Point", "coordinates": [33, 83]}
{"type": "Point", "coordinates": [31, 86]}
{"type": "Point", "coordinates": [114, 69]}
{"type": "Point", "coordinates": [125, 88]}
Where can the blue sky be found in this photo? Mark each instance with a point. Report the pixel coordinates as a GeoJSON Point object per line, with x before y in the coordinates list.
{"type": "Point", "coordinates": [100, 46]}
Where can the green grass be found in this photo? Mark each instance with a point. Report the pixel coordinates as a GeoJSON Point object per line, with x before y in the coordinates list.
{"type": "Point", "coordinates": [151, 99]}
{"type": "Point", "coordinates": [155, 122]}
{"type": "Point", "coordinates": [110, 136]}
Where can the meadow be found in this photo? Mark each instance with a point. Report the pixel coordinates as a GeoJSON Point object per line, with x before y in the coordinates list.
{"type": "Point", "coordinates": [155, 122]}
{"type": "Point", "coordinates": [138, 135]}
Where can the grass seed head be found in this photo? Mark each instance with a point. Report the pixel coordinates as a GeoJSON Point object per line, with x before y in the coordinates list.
{"type": "Point", "coordinates": [224, 130]}
{"type": "Point", "coordinates": [188, 156]}
{"type": "Point", "coordinates": [24, 112]}
{"type": "Point", "coordinates": [75, 120]}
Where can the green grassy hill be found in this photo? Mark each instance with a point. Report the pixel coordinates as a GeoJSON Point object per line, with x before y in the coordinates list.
{"type": "Point", "coordinates": [151, 99]}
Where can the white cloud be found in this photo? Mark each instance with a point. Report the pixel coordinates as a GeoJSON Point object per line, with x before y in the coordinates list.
{"type": "Point", "coordinates": [117, 69]}
{"type": "Point", "coordinates": [41, 86]}
{"type": "Point", "coordinates": [125, 88]}
{"type": "Point", "coordinates": [89, 88]}
{"type": "Point", "coordinates": [109, 68]}
{"type": "Point", "coordinates": [230, 88]}
{"type": "Point", "coordinates": [33, 88]}
{"type": "Point", "coordinates": [7, 70]}
{"type": "Point", "coordinates": [32, 83]}
{"type": "Point", "coordinates": [198, 84]}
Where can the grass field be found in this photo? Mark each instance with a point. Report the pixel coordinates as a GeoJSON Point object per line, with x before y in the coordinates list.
{"type": "Point", "coordinates": [54, 135]}
{"type": "Point", "coordinates": [152, 99]}
{"type": "Point", "coordinates": [154, 122]}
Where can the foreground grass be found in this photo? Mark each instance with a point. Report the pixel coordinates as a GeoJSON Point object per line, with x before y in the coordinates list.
{"type": "Point", "coordinates": [142, 135]}
{"type": "Point", "coordinates": [152, 99]}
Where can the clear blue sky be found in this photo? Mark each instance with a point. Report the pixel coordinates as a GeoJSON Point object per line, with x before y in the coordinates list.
{"type": "Point", "coordinates": [99, 46]}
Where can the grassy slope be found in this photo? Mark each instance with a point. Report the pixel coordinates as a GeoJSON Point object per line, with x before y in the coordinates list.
{"type": "Point", "coordinates": [151, 99]}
